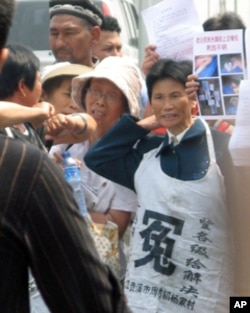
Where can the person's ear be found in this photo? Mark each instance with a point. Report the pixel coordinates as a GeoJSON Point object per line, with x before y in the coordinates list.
{"type": "Point", "coordinates": [3, 56]}
{"type": "Point", "coordinates": [44, 96]}
{"type": "Point", "coordinates": [22, 88]}
{"type": "Point", "coordinates": [95, 33]}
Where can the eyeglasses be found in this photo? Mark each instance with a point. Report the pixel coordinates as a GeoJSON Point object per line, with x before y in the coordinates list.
{"type": "Point", "coordinates": [96, 94]}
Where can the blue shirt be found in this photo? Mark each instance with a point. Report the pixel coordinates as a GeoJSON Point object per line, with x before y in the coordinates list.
{"type": "Point", "coordinates": [118, 154]}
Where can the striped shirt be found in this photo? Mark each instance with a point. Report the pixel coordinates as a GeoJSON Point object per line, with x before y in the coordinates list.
{"type": "Point", "coordinates": [41, 229]}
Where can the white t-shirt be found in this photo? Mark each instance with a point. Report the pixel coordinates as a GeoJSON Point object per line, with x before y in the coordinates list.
{"type": "Point", "coordinates": [101, 194]}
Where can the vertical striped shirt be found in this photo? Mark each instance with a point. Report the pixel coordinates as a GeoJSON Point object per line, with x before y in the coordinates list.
{"type": "Point", "coordinates": [41, 229]}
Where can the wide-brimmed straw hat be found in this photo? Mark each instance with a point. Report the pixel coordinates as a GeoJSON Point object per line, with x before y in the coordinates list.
{"type": "Point", "coordinates": [122, 72]}
{"type": "Point", "coordinates": [63, 68]}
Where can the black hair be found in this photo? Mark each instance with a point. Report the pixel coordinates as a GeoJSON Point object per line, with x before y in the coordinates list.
{"type": "Point", "coordinates": [209, 23]}
{"type": "Point", "coordinates": [6, 14]}
{"type": "Point", "coordinates": [52, 84]}
{"type": "Point", "coordinates": [84, 92]}
{"type": "Point", "coordinates": [224, 21]}
{"type": "Point", "coordinates": [168, 68]}
{"type": "Point", "coordinates": [110, 23]}
{"type": "Point", "coordinates": [21, 63]}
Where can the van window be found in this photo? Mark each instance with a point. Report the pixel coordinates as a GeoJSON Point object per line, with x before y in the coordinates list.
{"type": "Point", "coordinates": [132, 22]}
{"type": "Point", "coordinates": [31, 25]}
{"type": "Point", "coordinates": [103, 7]}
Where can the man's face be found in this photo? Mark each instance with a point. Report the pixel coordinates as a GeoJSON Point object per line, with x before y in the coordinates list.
{"type": "Point", "coordinates": [109, 44]}
{"type": "Point", "coordinates": [70, 40]}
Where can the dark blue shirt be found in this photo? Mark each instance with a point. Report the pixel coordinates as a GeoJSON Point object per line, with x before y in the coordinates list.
{"type": "Point", "coordinates": [118, 154]}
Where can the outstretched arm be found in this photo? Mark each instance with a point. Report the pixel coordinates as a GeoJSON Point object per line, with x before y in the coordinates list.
{"type": "Point", "coordinates": [72, 128]}
{"type": "Point", "coordinates": [12, 113]}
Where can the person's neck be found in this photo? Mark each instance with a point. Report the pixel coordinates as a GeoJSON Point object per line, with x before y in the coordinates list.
{"type": "Point", "coordinates": [21, 127]}
{"type": "Point", "coordinates": [99, 133]}
{"type": "Point", "coordinates": [88, 61]}
{"type": "Point", "coordinates": [15, 99]}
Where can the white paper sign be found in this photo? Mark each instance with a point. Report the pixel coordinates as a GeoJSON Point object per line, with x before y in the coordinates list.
{"type": "Point", "coordinates": [170, 26]}
{"type": "Point", "coordinates": [239, 144]}
{"type": "Point", "coordinates": [247, 45]}
{"type": "Point", "coordinates": [219, 63]}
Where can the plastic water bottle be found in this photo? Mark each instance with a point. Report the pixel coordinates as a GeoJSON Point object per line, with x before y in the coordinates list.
{"type": "Point", "coordinates": [73, 177]}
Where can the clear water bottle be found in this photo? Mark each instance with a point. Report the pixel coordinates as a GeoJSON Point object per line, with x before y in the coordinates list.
{"type": "Point", "coordinates": [73, 177]}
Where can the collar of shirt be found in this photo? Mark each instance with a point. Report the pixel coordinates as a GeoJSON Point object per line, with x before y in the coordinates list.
{"type": "Point", "coordinates": [175, 140]}
{"type": "Point", "coordinates": [196, 130]}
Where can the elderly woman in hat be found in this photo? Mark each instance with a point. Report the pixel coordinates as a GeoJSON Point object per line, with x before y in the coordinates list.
{"type": "Point", "coordinates": [106, 93]}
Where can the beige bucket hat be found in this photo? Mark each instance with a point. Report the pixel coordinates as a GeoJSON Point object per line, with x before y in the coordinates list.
{"type": "Point", "coordinates": [122, 72]}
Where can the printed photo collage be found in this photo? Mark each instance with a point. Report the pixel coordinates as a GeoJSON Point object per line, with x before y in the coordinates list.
{"type": "Point", "coordinates": [220, 67]}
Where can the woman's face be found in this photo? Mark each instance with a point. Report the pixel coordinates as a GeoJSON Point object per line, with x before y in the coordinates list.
{"type": "Point", "coordinates": [171, 105]}
{"type": "Point", "coordinates": [61, 98]}
{"type": "Point", "coordinates": [104, 102]}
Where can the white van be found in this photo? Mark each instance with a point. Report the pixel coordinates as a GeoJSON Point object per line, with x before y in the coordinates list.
{"type": "Point", "coordinates": [127, 16]}
{"type": "Point", "coordinates": [31, 26]}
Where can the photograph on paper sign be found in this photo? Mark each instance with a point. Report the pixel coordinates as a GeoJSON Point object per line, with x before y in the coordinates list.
{"type": "Point", "coordinates": [231, 63]}
{"type": "Point", "coordinates": [206, 65]}
{"type": "Point", "coordinates": [231, 84]}
{"type": "Point", "coordinates": [231, 105]}
{"type": "Point", "coordinates": [209, 97]}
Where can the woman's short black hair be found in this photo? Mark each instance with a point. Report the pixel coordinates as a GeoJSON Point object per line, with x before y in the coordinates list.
{"type": "Point", "coordinates": [84, 92]}
{"type": "Point", "coordinates": [168, 68]}
{"type": "Point", "coordinates": [52, 84]}
{"type": "Point", "coordinates": [6, 14]}
{"type": "Point", "coordinates": [21, 63]}
{"type": "Point", "coordinates": [226, 20]}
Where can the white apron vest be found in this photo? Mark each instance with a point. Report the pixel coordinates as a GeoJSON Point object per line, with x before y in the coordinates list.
{"type": "Point", "coordinates": [181, 248]}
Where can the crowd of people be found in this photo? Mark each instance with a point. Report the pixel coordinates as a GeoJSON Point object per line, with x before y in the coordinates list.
{"type": "Point", "coordinates": [148, 162]}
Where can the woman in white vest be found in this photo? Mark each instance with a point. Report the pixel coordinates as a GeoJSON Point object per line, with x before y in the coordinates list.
{"type": "Point", "coordinates": [181, 254]}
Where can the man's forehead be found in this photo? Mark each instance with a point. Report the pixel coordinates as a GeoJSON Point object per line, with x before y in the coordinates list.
{"type": "Point", "coordinates": [110, 35]}
{"type": "Point", "coordinates": [66, 21]}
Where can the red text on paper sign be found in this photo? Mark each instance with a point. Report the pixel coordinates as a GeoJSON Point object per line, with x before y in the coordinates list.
{"type": "Point", "coordinates": [217, 39]}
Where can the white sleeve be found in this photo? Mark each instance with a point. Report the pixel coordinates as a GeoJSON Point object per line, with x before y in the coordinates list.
{"type": "Point", "coordinates": [124, 200]}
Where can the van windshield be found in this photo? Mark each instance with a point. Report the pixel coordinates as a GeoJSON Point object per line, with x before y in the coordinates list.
{"type": "Point", "coordinates": [31, 25]}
